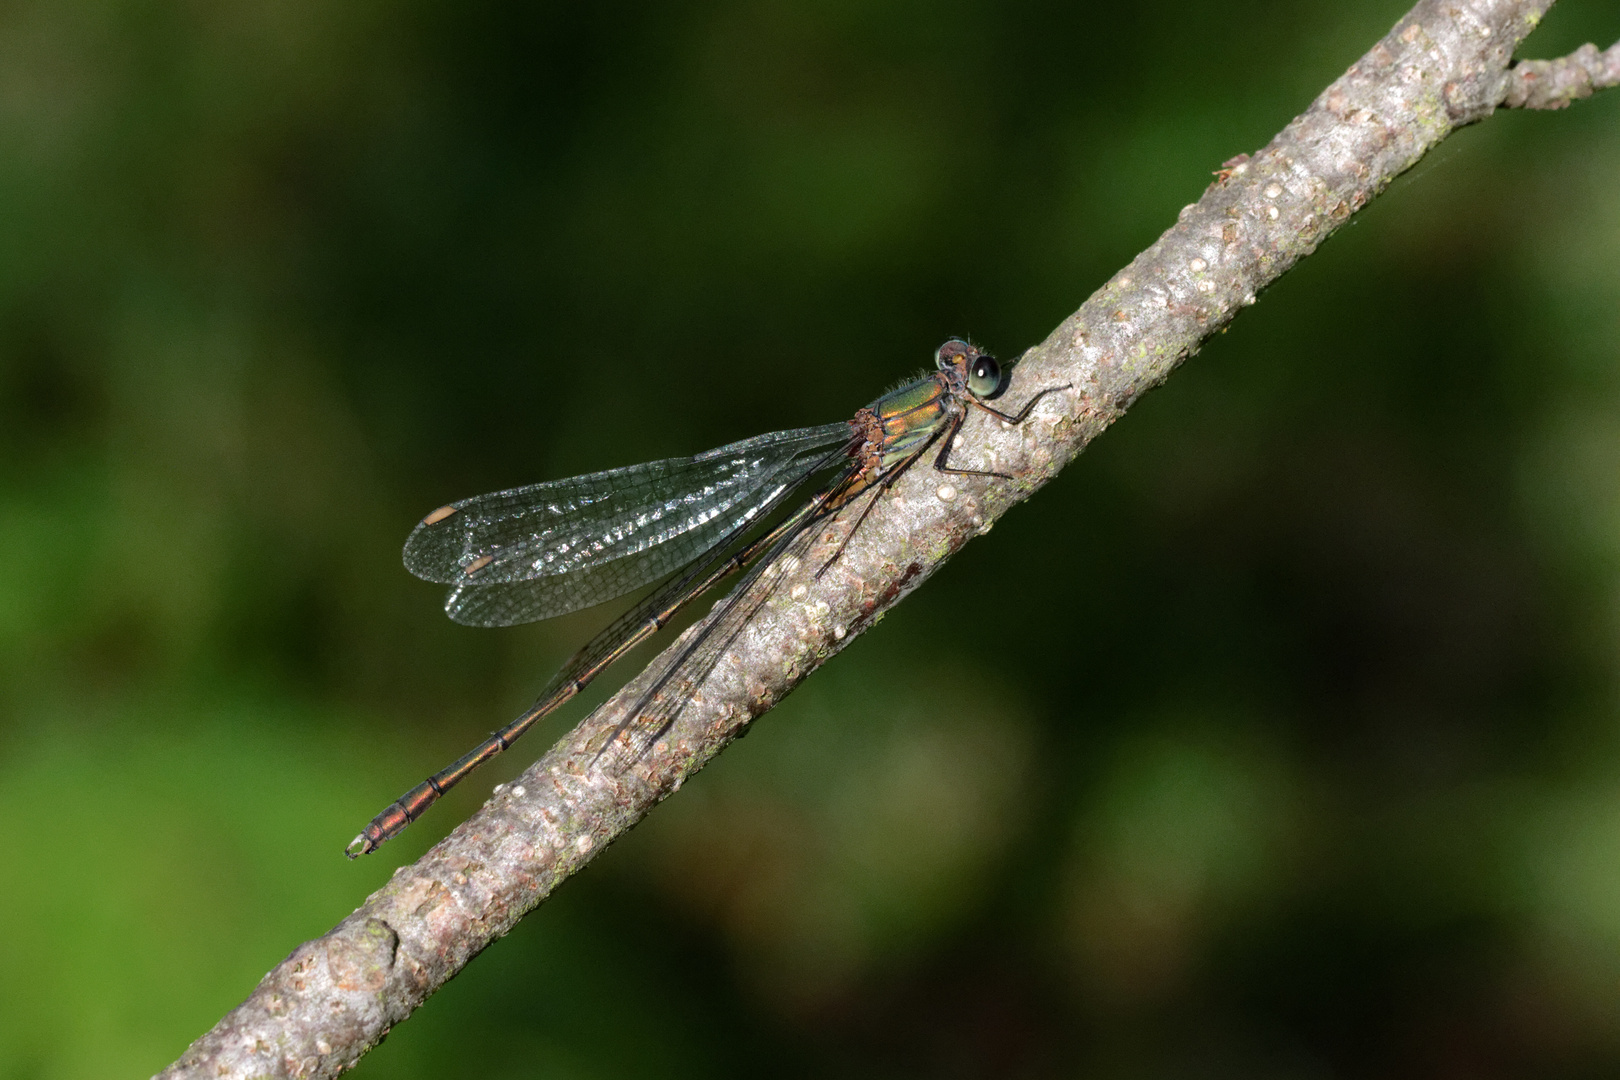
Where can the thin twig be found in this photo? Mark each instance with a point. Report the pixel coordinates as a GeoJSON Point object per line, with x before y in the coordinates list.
{"type": "Point", "coordinates": [1553, 84]}
{"type": "Point", "coordinates": [1443, 66]}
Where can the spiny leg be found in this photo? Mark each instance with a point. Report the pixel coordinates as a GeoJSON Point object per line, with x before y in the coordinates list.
{"type": "Point", "coordinates": [950, 444]}
{"type": "Point", "coordinates": [884, 484]}
{"type": "Point", "coordinates": [1018, 418]}
{"type": "Point", "coordinates": [1022, 414]}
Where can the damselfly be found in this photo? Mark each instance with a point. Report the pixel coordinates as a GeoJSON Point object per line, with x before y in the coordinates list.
{"type": "Point", "coordinates": [548, 549]}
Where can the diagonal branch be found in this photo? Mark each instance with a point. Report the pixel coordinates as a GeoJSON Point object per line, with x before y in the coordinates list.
{"type": "Point", "coordinates": [1443, 66]}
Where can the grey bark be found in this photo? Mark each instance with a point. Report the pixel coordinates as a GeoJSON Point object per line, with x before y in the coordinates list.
{"type": "Point", "coordinates": [1443, 66]}
{"type": "Point", "coordinates": [1553, 84]}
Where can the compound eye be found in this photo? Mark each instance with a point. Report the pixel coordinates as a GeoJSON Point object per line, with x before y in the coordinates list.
{"type": "Point", "coordinates": [945, 356]}
{"type": "Point", "coordinates": [984, 377]}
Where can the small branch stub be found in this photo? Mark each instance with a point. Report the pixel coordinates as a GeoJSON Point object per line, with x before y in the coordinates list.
{"type": "Point", "coordinates": [1554, 84]}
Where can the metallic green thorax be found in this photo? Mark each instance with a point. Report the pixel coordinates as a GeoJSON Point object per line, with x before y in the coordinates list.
{"type": "Point", "coordinates": [910, 417]}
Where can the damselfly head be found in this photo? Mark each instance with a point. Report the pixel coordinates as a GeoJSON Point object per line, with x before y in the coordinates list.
{"type": "Point", "coordinates": [980, 371]}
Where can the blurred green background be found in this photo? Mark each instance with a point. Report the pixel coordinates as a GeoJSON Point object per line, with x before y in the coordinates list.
{"type": "Point", "coordinates": [1299, 751]}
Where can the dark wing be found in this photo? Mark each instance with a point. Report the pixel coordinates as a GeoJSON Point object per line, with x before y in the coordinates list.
{"type": "Point", "coordinates": [547, 549]}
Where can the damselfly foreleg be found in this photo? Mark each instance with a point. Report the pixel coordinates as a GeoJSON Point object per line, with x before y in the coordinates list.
{"type": "Point", "coordinates": [1009, 418]}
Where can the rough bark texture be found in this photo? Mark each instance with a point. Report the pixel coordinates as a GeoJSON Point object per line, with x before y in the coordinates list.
{"type": "Point", "coordinates": [1446, 64]}
{"type": "Point", "coordinates": [1553, 84]}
